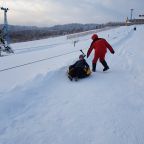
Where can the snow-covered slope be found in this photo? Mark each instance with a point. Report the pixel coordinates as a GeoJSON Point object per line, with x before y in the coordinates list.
{"type": "Point", "coordinates": [46, 108]}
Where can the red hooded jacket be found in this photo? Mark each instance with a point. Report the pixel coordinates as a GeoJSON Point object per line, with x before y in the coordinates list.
{"type": "Point", "coordinates": [100, 46]}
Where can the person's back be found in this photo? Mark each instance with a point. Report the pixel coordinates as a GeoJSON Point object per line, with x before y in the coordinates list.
{"type": "Point", "coordinates": [81, 64]}
{"type": "Point", "coordinates": [101, 45]}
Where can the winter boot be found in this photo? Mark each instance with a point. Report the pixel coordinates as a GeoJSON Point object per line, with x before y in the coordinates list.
{"type": "Point", "coordinates": [76, 78]}
{"type": "Point", "coordinates": [93, 67]}
{"type": "Point", "coordinates": [104, 63]}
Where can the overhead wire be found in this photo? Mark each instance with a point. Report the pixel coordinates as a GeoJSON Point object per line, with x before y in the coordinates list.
{"type": "Point", "coordinates": [37, 61]}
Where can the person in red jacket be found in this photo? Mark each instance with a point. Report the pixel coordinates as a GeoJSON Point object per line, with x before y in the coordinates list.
{"type": "Point", "coordinates": [100, 46]}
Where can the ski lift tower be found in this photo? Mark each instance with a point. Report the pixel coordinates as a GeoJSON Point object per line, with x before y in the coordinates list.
{"type": "Point", "coordinates": [131, 13]}
{"type": "Point", "coordinates": [5, 28]}
{"type": "Point", "coordinates": [7, 49]}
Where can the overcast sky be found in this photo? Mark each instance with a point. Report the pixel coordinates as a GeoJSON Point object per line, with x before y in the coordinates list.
{"type": "Point", "coordinates": [51, 12]}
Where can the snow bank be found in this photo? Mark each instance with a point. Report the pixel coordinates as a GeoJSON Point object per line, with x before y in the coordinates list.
{"type": "Point", "coordinates": [106, 108]}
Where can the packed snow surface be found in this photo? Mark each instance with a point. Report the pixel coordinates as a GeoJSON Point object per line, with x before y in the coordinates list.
{"type": "Point", "coordinates": [40, 105]}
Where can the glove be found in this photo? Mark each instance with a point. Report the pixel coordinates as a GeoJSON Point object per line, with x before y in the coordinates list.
{"type": "Point", "coordinates": [113, 52]}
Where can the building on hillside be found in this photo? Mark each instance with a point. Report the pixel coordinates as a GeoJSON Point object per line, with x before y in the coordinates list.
{"type": "Point", "coordinates": [137, 21]}
{"type": "Point", "coordinates": [134, 21]}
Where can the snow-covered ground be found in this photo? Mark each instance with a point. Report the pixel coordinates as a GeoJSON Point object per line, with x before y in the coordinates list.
{"type": "Point", "coordinates": [39, 105]}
